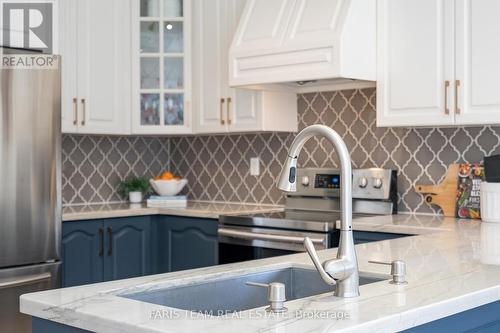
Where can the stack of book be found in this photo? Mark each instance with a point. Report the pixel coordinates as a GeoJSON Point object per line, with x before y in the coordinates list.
{"type": "Point", "coordinates": [161, 201]}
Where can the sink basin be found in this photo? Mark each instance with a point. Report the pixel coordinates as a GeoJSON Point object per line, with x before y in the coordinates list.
{"type": "Point", "coordinates": [222, 296]}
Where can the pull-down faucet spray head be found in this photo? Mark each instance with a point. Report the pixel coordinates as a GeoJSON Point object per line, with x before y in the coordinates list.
{"type": "Point", "coordinates": [288, 177]}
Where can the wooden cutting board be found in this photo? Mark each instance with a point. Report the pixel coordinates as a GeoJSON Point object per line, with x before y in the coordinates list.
{"type": "Point", "coordinates": [443, 195]}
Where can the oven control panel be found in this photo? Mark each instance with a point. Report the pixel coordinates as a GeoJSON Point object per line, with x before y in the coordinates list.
{"type": "Point", "coordinates": [327, 181]}
{"type": "Point", "coordinates": [373, 183]}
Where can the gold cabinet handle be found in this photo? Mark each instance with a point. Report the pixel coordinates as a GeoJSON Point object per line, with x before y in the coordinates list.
{"type": "Point", "coordinates": [83, 112]}
{"type": "Point", "coordinates": [75, 108]}
{"type": "Point", "coordinates": [457, 86]}
{"type": "Point", "coordinates": [229, 110]}
{"type": "Point", "coordinates": [222, 121]}
{"type": "Point", "coordinates": [446, 86]}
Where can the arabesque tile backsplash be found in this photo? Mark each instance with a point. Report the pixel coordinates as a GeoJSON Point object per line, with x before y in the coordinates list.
{"type": "Point", "coordinates": [92, 166]}
{"type": "Point", "coordinates": [217, 167]}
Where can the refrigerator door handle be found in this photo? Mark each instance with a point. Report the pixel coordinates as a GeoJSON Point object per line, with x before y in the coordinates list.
{"type": "Point", "coordinates": [28, 279]}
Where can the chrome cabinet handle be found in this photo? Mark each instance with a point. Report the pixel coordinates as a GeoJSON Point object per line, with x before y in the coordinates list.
{"type": "Point", "coordinates": [110, 238]}
{"type": "Point", "coordinates": [229, 111]}
{"type": "Point", "coordinates": [83, 112]}
{"type": "Point", "coordinates": [252, 235]}
{"type": "Point", "coordinates": [29, 279]}
{"type": "Point", "coordinates": [101, 242]}
{"type": "Point", "coordinates": [222, 121]}
{"type": "Point", "coordinates": [457, 86]}
{"type": "Point", "coordinates": [75, 108]}
{"type": "Point", "coordinates": [446, 86]}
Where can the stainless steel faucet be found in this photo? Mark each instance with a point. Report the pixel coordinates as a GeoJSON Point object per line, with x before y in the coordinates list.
{"type": "Point", "coordinates": [342, 271]}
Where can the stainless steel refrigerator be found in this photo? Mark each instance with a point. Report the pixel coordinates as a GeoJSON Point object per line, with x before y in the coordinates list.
{"type": "Point", "coordinates": [30, 183]}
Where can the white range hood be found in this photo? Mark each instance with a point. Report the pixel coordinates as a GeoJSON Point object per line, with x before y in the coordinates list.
{"type": "Point", "coordinates": [288, 41]}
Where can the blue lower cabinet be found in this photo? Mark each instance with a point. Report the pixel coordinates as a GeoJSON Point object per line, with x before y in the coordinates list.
{"type": "Point", "coordinates": [186, 243]}
{"type": "Point", "coordinates": [119, 248]}
{"type": "Point", "coordinates": [39, 325]}
{"type": "Point", "coordinates": [361, 237]}
{"type": "Point", "coordinates": [102, 250]}
{"type": "Point", "coordinates": [82, 257]}
{"type": "Point", "coordinates": [483, 319]}
{"type": "Point", "coordinates": [128, 248]}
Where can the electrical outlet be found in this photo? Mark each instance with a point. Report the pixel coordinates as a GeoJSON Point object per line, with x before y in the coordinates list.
{"type": "Point", "coordinates": [254, 166]}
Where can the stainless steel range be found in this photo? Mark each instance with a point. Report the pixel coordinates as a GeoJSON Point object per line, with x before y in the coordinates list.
{"type": "Point", "coordinates": [312, 211]}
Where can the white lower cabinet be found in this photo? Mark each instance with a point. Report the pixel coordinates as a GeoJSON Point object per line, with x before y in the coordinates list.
{"type": "Point", "coordinates": [437, 62]}
{"type": "Point", "coordinates": [96, 60]}
{"type": "Point", "coordinates": [218, 108]}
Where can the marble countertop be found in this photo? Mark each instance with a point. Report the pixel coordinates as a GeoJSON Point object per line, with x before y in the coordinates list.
{"type": "Point", "coordinates": [447, 274]}
{"type": "Point", "coordinates": [202, 209]}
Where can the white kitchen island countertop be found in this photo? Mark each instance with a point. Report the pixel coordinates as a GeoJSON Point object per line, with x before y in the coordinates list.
{"type": "Point", "coordinates": [445, 276]}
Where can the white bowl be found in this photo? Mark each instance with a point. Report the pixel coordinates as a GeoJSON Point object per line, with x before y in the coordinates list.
{"type": "Point", "coordinates": [168, 187]}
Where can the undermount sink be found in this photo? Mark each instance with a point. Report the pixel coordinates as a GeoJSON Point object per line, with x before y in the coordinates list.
{"type": "Point", "coordinates": [232, 294]}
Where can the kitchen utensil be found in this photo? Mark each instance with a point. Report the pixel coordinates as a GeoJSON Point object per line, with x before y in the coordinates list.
{"type": "Point", "coordinates": [444, 194]}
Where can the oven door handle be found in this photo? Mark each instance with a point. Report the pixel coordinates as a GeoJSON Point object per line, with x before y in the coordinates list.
{"type": "Point", "coordinates": [268, 237]}
{"type": "Point", "coordinates": [28, 279]}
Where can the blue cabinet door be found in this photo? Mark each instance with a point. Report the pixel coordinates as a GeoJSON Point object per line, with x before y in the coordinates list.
{"type": "Point", "coordinates": [185, 243]}
{"type": "Point", "coordinates": [361, 237]}
{"type": "Point", "coordinates": [82, 252]}
{"type": "Point", "coordinates": [127, 247]}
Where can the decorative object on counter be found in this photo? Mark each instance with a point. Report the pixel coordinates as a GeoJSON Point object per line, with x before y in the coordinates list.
{"type": "Point", "coordinates": [134, 188]}
{"type": "Point", "coordinates": [167, 184]}
{"type": "Point", "coordinates": [165, 201]}
{"type": "Point", "coordinates": [470, 177]}
{"type": "Point", "coordinates": [444, 194]}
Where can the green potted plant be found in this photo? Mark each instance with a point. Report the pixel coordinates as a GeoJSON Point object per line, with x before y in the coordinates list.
{"type": "Point", "coordinates": [134, 188]}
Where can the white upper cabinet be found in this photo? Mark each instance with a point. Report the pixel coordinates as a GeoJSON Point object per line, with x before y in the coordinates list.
{"type": "Point", "coordinates": [95, 49]}
{"type": "Point", "coordinates": [298, 40]}
{"type": "Point", "coordinates": [161, 67]}
{"type": "Point", "coordinates": [68, 49]}
{"type": "Point", "coordinates": [437, 62]}
{"type": "Point", "coordinates": [218, 108]}
{"type": "Point", "coordinates": [104, 62]}
{"type": "Point", "coordinates": [414, 68]}
{"type": "Point", "coordinates": [478, 62]}
{"type": "Point", "coordinates": [209, 40]}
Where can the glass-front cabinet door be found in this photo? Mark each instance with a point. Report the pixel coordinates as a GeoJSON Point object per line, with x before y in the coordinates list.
{"type": "Point", "coordinates": [162, 67]}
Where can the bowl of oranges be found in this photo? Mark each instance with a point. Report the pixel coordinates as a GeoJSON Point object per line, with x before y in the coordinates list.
{"type": "Point", "coordinates": [167, 184]}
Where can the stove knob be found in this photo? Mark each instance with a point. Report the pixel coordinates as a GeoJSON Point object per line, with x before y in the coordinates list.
{"type": "Point", "coordinates": [363, 182]}
{"type": "Point", "coordinates": [305, 181]}
{"type": "Point", "coordinates": [377, 182]}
